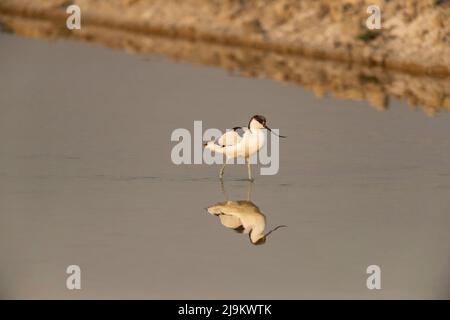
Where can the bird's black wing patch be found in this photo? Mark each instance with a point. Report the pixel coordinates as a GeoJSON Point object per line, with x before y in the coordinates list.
{"type": "Point", "coordinates": [239, 130]}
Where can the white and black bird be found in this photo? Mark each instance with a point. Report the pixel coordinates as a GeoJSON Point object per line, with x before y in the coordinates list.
{"type": "Point", "coordinates": [232, 145]}
{"type": "Point", "coordinates": [243, 216]}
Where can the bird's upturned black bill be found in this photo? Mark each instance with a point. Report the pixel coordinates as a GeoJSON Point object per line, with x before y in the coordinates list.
{"type": "Point", "coordinates": [270, 130]}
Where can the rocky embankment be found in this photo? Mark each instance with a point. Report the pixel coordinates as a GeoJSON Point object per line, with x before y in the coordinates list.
{"type": "Point", "coordinates": [294, 41]}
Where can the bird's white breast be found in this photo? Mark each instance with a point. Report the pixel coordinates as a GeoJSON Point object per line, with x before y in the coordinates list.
{"type": "Point", "coordinates": [252, 142]}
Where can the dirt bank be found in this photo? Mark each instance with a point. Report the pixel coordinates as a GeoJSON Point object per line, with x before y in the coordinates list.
{"type": "Point", "coordinates": [415, 34]}
{"type": "Point", "coordinates": [343, 80]}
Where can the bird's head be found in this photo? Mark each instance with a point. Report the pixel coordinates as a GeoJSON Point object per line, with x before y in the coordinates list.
{"type": "Point", "coordinates": [257, 239]}
{"type": "Point", "coordinates": [257, 122]}
{"type": "Point", "coordinates": [260, 238]}
{"type": "Point", "coordinates": [260, 122]}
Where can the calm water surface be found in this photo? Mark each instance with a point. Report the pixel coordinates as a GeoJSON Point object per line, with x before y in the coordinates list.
{"type": "Point", "coordinates": [86, 178]}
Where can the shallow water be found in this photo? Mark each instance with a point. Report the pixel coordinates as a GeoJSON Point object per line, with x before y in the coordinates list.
{"type": "Point", "coordinates": [86, 178]}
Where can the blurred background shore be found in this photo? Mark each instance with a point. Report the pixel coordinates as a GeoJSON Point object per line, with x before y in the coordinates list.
{"type": "Point", "coordinates": [322, 45]}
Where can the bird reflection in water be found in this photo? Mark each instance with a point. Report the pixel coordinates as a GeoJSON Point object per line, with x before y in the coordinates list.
{"type": "Point", "coordinates": [243, 216]}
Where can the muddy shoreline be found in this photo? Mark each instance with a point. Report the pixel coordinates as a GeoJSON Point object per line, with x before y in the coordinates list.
{"type": "Point", "coordinates": [415, 37]}
{"type": "Point", "coordinates": [353, 81]}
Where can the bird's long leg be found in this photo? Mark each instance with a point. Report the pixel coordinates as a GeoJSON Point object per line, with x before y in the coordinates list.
{"type": "Point", "coordinates": [221, 170]}
{"type": "Point", "coordinates": [249, 166]}
{"type": "Point", "coordinates": [222, 188]}
{"type": "Point", "coordinates": [249, 190]}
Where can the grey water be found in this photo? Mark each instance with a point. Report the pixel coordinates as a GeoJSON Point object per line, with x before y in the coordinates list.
{"type": "Point", "coordinates": [86, 179]}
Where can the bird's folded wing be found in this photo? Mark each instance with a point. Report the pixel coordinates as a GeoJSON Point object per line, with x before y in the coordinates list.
{"type": "Point", "coordinates": [230, 221]}
{"type": "Point", "coordinates": [229, 138]}
{"type": "Point", "coordinates": [240, 130]}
